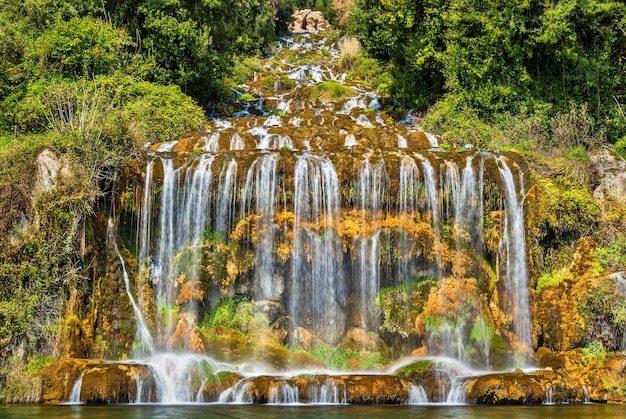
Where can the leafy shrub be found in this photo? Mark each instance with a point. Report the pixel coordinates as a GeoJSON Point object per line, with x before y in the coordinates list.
{"type": "Point", "coordinates": [235, 314]}
{"type": "Point", "coordinates": [348, 359]}
{"type": "Point", "coordinates": [620, 147]}
{"type": "Point", "coordinates": [552, 279]}
{"type": "Point", "coordinates": [612, 256]}
{"type": "Point", "coordinates": [79, 47]}
{"type": "Point", "coordinates": [593, 350]}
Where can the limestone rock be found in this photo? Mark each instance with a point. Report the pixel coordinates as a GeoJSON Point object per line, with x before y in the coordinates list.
{"type": "Point", "coordinates": [272, 309]}
{"type": "Point", "coordinates": [612, 172]}
{"type": "Point", "coordinates": [117, 383]}
{"type": "Point", "coordinates": [307, 21]}
{"type": "Point", "coordinates": [353, 389]}
{"type": "Point", "coordinates": [59, 378]}
{"type": "Point", "coordinates": [49, 167]}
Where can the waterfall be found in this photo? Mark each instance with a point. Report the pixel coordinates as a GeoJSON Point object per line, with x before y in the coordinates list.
{"type": "Point", "coordinates": [432, 199]}
{"type": "Point", "coordinates": [514, 243]}
{"type": "Point", "coordinates": [262, 182]}
{"type": "Point", "coordinates": [318, 214]}
{"type": "Point", "coordinates": [226, 197]}
{"type": "Point", "coordinates": [329, 393]}
{"type": "Point", "coordinates": [369, 198]}
{"type": "Point", "coordinates": [238, 394]}
{"type": "Point", "coordinates": [317, 288]}
{"type": "Point", "coordinates": [417, 395]}
{"type": "Point", "coordinates": [74, 397]}
{"type": "Point", "coordinates": [176, 376]}
{"type": "Point", "coordinates": [143, 334]}
{"type": "Point", "coordinates": [285, 393]}
{"type": "Point", "coordinates": [456, 395]}
{"type": "Point", "coordinates": [408, 209]}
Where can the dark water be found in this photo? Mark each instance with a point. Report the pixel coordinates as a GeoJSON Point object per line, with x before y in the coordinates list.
{"type": "Point", "coordinates": [317, 412]}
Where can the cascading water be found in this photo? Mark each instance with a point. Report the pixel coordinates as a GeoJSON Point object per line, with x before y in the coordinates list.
{"type": "Point", "coordinates": [372, 180]}
{"type": "Point", "coordinates": [317, 288]}
{"type": "Point", "coordinates": [515, 253]}
{"type": "Point", "coordinates": [326, 227]}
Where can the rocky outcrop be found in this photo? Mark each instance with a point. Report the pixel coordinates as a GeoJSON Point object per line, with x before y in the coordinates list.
{"type": "Point", "coordinates": [519, 388]}
{"type": "Point", "coordinates": [102, 382]}
{"type": "Point", "coordinates": [611, 170]}
{"type": "Point", "coordinates": [351, 389]}
{"type": "Point", "coordinates": [49, 167]}
{"type": "Point", "coordinates": [307, 21]}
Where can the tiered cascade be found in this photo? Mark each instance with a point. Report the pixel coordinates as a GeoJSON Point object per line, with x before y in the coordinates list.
{"type": "Point", "coordinates": [334, 221]}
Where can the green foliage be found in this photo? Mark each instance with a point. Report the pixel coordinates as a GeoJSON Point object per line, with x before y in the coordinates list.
{"type": "Point", "coordinates": [501, 56]}
{"type": "Point", "coordinates": [417, 367]}
{"type": "Point", "coordinates": [370, 72]}
{"type": "Point", "coordinates": [244, 69]}
{"type": "Point", "coordinates": [237, 314]}
{"type": "Point", "coordinates": [603, 308]}
{"type": "Point", "coordinates": [552, 279]}
{"type": "Point", "coordinates": [39, 362]}
{"type": "Point", "coordinates": [77, 48]}
{"type": "Point", "coordinates": [153, 113]}
{"type": "Point", "coordinates": [331, 91]}
{"type": "Point", "coordinates": [348, 359]}
{"type": "Point", "coordinates": [193, 45]}
{"type": "Point", "coordinates": [612, 256]}
{"type": "Point", "coordinates": [594, 350]}
{"type": "Point", "coordinates": [578, 153]}
{"type": "Point", "coordinates": [398, 304]}
{"type": "Point", "coordinates": [285, 83]}
{"type": "Point", "coordinates": [620, 147]}
{"type": "Point", "coordinates": [561, 212]}
{"type": "Point", "coordinates": [406, 33]}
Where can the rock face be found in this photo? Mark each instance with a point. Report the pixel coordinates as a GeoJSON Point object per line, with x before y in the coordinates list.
{"type": "Point", "coordinates": [49, 167]}
{"type": "Point", "coordinates": [518, 388]}
{"type": "Point", "coordinates": [307, 21]}
{"type": "Point", "coordinates": [102, 382]}
{"type": "Point", "coordinates": [612, 172]}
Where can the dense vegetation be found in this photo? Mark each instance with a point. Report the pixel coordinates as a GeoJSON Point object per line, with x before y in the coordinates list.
{"type": "Point", "coordinates": [488, 61]}
{"type": "Point", "coordinates": [94, 81]}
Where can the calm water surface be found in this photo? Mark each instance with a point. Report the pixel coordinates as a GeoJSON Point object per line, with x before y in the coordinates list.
{"type": "Point", "coordinates": [317, 412]}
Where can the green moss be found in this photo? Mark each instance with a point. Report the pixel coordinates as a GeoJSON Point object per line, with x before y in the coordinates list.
{"type": "Point", "coordinates": [552, 279]}
{"type": "Point", "coordinates": [269, 82]}
{"type": "Point", "coordinates": [247, 97]}
{"type": "Point", "coordinates": [399, 304]}
{"type": "Point", "coordinates": [418, 367]}
{"type": "Point", "coordinates": [347, 358]}
{"type": "Point", "coordinates": [331, 91]}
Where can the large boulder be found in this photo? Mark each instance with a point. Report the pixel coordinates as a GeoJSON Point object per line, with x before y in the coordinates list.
{"type": "Point", "coordinates": [307, 21]}
{"type": "Point", "coordinates": [611, 170]}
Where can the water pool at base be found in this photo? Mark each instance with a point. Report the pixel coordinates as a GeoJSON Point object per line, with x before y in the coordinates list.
{"type": "Point", "coordinates": [208, 411]}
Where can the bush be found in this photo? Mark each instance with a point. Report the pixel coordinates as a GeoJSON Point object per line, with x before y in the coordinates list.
{"type": "Point", "coordinates": [236, 314]}
{"type": "Point", "coordinates": [552, 279]}
{"type": "Point", "coordinates": [79, 47]}
{"type": "Point", "coordinates": [620, 147]}
{"type": "Point", "coordinates": [575, 128]}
